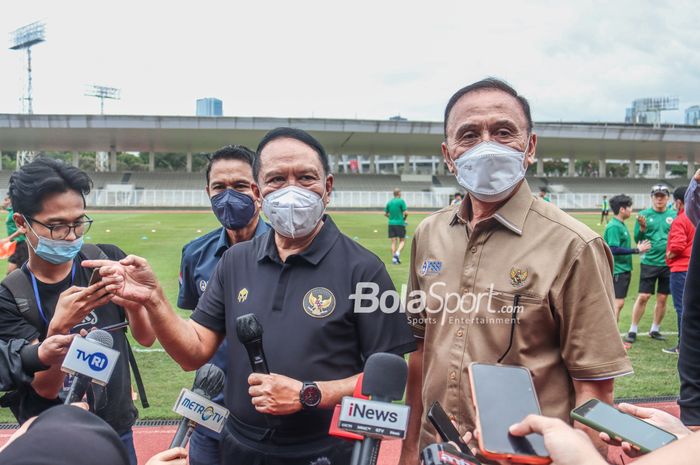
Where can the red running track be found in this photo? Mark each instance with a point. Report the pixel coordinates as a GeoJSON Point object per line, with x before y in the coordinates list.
{"type": "Point", "coordinates": [151, 440]}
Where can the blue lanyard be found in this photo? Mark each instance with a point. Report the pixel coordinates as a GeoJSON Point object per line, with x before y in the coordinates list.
{"type": "Point", "coordinates": [36, 292]}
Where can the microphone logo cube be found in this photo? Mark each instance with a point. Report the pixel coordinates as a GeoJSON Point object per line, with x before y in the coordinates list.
{"type": "Point", "coordinates": [375, 419]}
{"type": "Point", "coordinates": [91, 359]}
{"type": "Point", "coordinates": [201, 410]}
{"type": "Point", "coordinates": [97, 361]}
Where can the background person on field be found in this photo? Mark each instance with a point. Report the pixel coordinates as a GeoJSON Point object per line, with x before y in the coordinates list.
{"type": "Point", "coordinates": [395, 210]}
{"type": "Point", "coordinates": [604, 211]}
{"type": "Point", "coordinates": [653, 224]}
{"type": "Point", "coordinates": [680, 245]}
{"type": "Point", "coordinates": [20, 254]}
{"type": "Point", "coordinates": [618, 239]}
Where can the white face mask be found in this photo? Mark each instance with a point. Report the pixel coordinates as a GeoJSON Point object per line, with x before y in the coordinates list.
{"type": "Point", "coordinates": [293, 212]}
{"type": "Point", "coordinates": [491, 171]}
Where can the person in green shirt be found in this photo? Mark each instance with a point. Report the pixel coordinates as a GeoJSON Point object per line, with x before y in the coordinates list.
{"type": "Point", "coordinates": [653, 224]}
{"type": "Point", "coordinates": [618, 239]}
{"type": "Point", "coordinates": [604, 211]}
{"type": "Point", "coordinates": [20, 254]}
{"type": "Point", "coordinates": [395, 210]}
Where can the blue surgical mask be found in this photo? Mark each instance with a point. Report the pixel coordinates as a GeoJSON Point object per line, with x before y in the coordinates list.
{"type": "Point", "coordinates": [55, 251]}
{"type": "Point", "coordinates": [233, 209]}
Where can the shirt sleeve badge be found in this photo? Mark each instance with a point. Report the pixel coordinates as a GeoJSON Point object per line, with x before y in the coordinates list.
{"type": "Point", "coordinates": [431, 267]}
{"type": "Point", "coordinates": [319, 302]}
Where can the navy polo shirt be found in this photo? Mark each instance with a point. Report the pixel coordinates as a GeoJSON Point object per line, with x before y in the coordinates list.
{"type": "Point", "coordinates": [310, 331]}
{"type": "Point", "coordinates": [199, 259]}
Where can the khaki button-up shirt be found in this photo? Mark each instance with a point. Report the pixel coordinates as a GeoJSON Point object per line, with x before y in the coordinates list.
{"type": "Point", "coordinates": [561, 273]}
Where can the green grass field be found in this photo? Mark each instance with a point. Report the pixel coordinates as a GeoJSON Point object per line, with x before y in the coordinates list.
{"type": "Point", "coordinates": [160, 236]}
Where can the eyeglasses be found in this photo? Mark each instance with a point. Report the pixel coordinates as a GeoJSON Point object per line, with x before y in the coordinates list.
{"type": "Point", "coordinates": [61, 231]}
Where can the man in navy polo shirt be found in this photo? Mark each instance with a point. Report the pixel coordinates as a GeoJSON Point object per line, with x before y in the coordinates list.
{"type": "Point", "coordinates": [299, 281]}
{"type": "Point", "coordinates": [229, 186]}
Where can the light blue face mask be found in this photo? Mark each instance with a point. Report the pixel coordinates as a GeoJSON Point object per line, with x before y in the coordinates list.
{"type": "Point", "coordinates": [55, 251]}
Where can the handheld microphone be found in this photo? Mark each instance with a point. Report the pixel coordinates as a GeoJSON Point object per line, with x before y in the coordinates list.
{"type": "Point", "coordinates": [208, 383]}
{"type": "Point", "coordinates": [93, 357]}
{"type": "Point", "coordinates": [384, 381]}
{"type": "Point", "coordinates": [336, 431]}
{"type": "Point", "coordinates": [249, 332]}
{"type": "Point", "coordinates": [446, 454]}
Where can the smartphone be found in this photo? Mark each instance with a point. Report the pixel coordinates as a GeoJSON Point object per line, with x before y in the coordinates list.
{"type": "Point", "coordinates": [600, 416]}
{"type": "Point", "coordinates": [504, 395]}
{"type": "Point", "coordinates": [116, 326]}
{"type": "Point", "coordinates": [445, 428]}
{"type": "Point", "coordinates": [95, 277]}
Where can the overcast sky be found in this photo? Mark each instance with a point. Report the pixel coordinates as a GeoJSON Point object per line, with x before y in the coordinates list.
{"type": "Point", "coordinates": [574, 61]}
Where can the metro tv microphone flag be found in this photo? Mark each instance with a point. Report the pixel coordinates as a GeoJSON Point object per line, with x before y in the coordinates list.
{"type": "Point", "coordinates": [208, 383]}
{"type": "Point", "coordinates": [90, 359]}
{"type": "Point", "coordinates": [384, 381]}
{"type": "Point", "coordinates": [249, 332]}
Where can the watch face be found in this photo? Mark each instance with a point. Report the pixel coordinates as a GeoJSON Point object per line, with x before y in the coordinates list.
{"type": "Point", "coordinates": [311, 396]}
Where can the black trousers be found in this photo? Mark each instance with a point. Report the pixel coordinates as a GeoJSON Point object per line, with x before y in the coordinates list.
{"type": "Point", "coordinates": [239, 450]}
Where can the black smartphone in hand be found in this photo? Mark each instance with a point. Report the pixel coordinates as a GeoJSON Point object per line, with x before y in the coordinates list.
{"type": "Point", "coordinates": [95, 277]}
{"type": "Point", "coordinates": [445, 428]}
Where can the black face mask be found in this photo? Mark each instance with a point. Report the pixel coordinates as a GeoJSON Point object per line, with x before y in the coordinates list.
{"type": "Point", "coordinates": [233, 209]}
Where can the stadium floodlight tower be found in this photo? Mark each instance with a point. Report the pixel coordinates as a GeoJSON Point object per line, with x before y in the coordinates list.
{"type": "Point", "coordinates": [25, 38]}
{"type": "Point", "coordinates": [102, 93]}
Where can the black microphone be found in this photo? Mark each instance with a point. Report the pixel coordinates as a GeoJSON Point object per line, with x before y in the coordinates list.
{"type": "Point", "coordinates": [384, 381]}
{"type": "Point", "coordinates": [249, 332]}
{"type": "Point", "coordinates": [208, 383]}
{"type": "Point", "coordinates": [80, 383]}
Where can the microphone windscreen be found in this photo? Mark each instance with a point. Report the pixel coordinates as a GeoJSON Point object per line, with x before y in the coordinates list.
{"type": "Point", "coordinates": [209, 381]}
{"type": "Point", "coordinates": [101, 337]}
{"type": "Point", "coordinates": [385, 376]}
{"type": "Point", "coordinates": [248, 328]}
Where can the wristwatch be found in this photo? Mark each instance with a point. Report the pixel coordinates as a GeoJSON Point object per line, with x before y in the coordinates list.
{"type": "Point", "coordinates": [310, 395]}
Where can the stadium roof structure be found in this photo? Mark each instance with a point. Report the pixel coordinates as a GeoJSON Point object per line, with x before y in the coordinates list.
{"type": "Point", "coordinates": [183, 134]}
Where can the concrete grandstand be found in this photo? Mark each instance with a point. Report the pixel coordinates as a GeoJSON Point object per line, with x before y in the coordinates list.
{"type": "Point", "coordinates": [369, 157]}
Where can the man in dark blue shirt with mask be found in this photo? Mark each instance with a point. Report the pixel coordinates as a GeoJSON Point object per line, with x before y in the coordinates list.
{"type": "Point", "coordinates": [236, 206]}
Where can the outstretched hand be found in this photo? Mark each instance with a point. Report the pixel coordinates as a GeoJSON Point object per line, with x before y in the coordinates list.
{"type": "Point", "coordinates": [653, 416]}
{"type": "Point", "coordinates": [566, 445]}
{"type": "Point", "coordinates": [130, 280]}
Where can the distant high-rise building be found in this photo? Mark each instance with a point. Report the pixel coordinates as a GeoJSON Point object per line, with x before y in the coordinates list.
{"type": "Point", "coordinates": [692, 115]}
{"type": "Point", "coordinates": [210, 107]}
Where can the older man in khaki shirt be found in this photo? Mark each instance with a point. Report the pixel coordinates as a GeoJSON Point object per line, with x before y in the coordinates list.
{"type": "Point", "coordinates": [515, 270]}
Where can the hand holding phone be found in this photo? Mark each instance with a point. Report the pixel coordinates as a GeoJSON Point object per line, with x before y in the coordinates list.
{"type": "Point", "coordinates": [621, 426]}
{"type": "Point", "coordinates": [445, 428]}
{"type": "Point", "coordinates": [95, 277]}
{"type": "Point", "coordinates": [503, 396]}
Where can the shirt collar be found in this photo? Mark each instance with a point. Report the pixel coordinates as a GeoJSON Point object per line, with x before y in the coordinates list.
{"type": "Point", "coordinates": [319, 247]}
{"type": "Point", "coordinates": [222, 244]}
{"type": "Point", "coordinates": [511, 215]}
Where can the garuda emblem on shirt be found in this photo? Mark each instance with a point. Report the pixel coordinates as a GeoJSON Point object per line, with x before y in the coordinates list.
{"type": "Point", "coordinates": [319, 302]}
{"type": "Point", "coordinates": [518, 276]}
